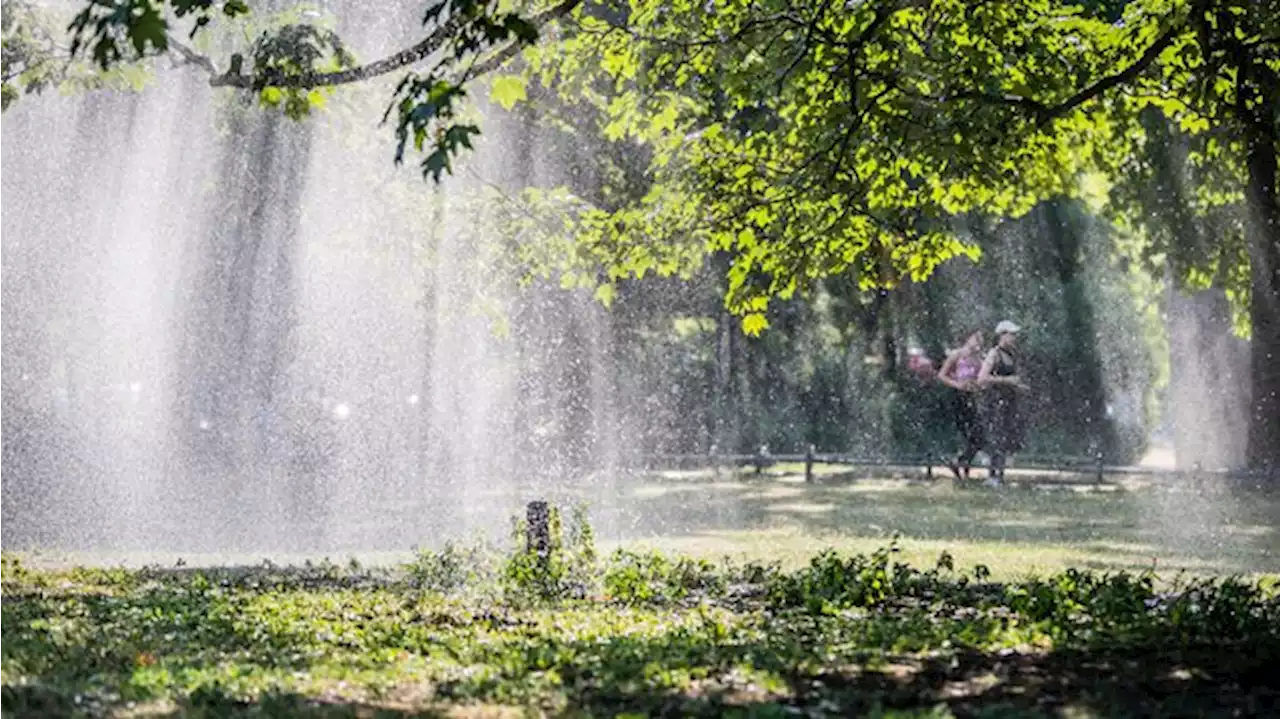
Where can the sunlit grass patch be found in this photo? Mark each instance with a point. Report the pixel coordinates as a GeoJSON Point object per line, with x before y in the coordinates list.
{"type": "Point", "coordinates": [1016, 529]}
{"type": "Point", "coordinates": [794, 547]}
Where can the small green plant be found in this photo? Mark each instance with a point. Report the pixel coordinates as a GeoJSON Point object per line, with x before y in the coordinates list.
{"type": "Point", "coordinates": [11, 569]}
{"type": "Point", "coordinates": [640, 578]}
{"type": "Point", "coordinates": [582, 540]}
{"type": "Point", "coordinates": [452, 568]}
{"type": "Point", "coordinates": [566, 570]}
{"type": "Point", "coordinates": [832, 582]}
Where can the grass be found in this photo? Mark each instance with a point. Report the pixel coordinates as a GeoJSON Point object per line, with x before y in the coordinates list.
{"type": "Point", "coordinates": [1024, 529]}
{"type": "Point", "coordinates": [949, 621]}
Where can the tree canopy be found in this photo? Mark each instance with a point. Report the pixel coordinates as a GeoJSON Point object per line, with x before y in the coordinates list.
{"type": "Point", "coordinates": [810, 140]}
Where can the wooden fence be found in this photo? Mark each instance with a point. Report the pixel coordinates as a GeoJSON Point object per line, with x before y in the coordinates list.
{"type": "Point", "coordinates": [1095, 467]}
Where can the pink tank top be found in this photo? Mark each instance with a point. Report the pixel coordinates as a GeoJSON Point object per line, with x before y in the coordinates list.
{"type": "Point", "coordinates": [967, 368]}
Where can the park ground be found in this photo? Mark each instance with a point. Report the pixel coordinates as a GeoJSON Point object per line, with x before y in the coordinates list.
{"type": "Point", "coordinates": [711, 594]}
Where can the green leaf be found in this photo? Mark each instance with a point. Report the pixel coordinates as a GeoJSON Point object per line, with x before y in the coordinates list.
{"type": "Point", "coordinates": [509, 90]}
{"type": "Point", "coordinates": [754, 323]}
{"type": "Point", "coordinates": [148, 28]}
{"type": "Point", "coordinates": [605, 294]}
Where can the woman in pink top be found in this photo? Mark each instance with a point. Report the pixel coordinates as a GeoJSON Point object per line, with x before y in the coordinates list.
{"type": "Point", "coordinates": [960, 372]}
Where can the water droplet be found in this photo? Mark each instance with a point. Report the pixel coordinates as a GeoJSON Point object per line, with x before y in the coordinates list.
{"type": "Point", "coordinates": [413, 399]}
{"type": "Point", "coordinates": [341, 411]}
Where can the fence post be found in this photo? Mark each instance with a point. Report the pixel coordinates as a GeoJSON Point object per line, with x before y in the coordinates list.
{"type": "Point", "coordinates": [808, 464]}
{"type": "Point", "coordinates": [538, 529]}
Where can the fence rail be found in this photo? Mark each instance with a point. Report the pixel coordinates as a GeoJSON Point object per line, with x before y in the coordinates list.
{"type": "Point", "coordinates": [1095, 466]}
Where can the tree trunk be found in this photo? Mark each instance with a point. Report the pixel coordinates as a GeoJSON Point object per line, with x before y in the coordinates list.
{"type": "Point", "coordinates": [1263, 234]}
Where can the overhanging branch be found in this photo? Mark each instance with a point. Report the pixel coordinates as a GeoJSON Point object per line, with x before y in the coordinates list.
{"type": "Point", "coordinates": [404, 58]}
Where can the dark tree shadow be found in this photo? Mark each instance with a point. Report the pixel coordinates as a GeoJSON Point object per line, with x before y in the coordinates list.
{"type": "Point", "coordinates": [1138, 681]}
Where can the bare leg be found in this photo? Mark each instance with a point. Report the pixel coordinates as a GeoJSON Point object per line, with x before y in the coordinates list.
{"type": "Point", "coordinates": [997, 467]}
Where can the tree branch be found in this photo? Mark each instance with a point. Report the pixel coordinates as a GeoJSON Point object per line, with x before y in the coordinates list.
{"type": "Point", "coordinates": [195, 58]}
{"type": "Point", "coordinates": [1048, 114]}
{"type": "Point", "coordinates": [404, 58]}
{"type": "Point", "coordinates": [1044, 114]}
{"type": "Point", "coordinates": [493, 62]}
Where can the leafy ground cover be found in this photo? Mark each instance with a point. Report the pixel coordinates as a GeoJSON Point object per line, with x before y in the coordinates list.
{"type": "Point", "coordinates": [482, 631]}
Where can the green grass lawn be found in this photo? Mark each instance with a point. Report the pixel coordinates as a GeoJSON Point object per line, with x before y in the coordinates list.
{"type": "Point", "coordinates": [1026, 528]}
{"type": "Point", "coordinates": [1030, 527]}
{"type": "Point", "coordinates": [776, 630]}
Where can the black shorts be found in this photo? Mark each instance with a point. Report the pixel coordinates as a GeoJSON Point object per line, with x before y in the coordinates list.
{"type": "Point", "coordinates": [968, 420]}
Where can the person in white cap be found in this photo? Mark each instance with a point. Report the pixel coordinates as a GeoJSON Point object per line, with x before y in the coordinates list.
{"type": "Point", "coordinates": [999, 376]}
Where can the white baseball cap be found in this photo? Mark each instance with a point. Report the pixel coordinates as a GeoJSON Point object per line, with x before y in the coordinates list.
{"type": "Point", "coordinates": [1006, 326]}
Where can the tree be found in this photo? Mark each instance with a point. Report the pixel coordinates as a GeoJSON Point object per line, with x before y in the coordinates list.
{"type": "Point", "coordinates": [818, 138]}
{"type": "Point", "coordinates": [1204, 182]}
